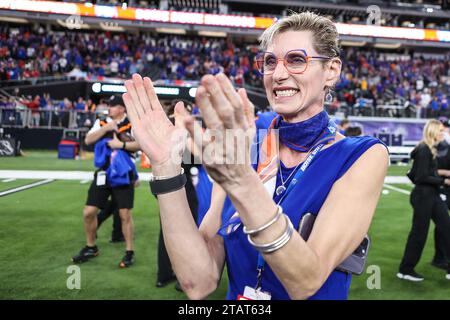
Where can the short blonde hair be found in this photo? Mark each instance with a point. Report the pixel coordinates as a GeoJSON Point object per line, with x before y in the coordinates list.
{"type": "Point", "coordinates": [430, 131]}
{"type": "Point", "coordinates": [325, 35]}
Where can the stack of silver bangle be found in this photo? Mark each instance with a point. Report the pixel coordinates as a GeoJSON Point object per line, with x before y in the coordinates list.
{"type": "Point", "coordinates": [277, 243]}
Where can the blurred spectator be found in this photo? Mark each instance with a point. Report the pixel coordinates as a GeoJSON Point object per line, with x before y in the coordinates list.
{"type": "Point", "coordinates": [353, 132]}
{"type": "Point", "coordinates": [33, 105]}
{"type": "Point", "coordinates": [81, 109]}
{"type": "Point", "coordinates": [90, 106]}
{"type": "Point", "coordinates": [343, 125]}
{"type": "Point", "coordinates": [46, 104]}
{"type": "Point", "coordinates": [80, 105]}
{"type": "Point", "coordinates": [102, 107]}
{"type": "Point", "coordinates": [334, 106]}
{"type": "Point", "coordinates": [425, 99]}
{"type": "Point", "coordinates": [118, 55]}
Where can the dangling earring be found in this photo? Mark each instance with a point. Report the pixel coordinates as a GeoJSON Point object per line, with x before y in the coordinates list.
{"type": "Point", "coordinates": [329, 96]}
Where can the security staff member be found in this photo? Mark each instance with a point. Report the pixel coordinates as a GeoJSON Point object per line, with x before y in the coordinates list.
{"type": "Point", "coordinates": [113, 148]}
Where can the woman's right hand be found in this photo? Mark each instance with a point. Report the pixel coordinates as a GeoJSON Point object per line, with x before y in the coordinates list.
{"type": "Point", "coordinates": [159, 139]}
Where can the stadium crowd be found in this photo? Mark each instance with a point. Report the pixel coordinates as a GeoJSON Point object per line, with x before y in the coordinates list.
{"type": "Point", "coordinates": [370, 79]}
{"type": "Point", "coordinates": [25, 53]}
{"type": "Point", "coordinates": [43, 111]}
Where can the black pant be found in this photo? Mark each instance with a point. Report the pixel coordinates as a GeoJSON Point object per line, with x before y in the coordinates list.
{"type": "Point", "coordinates": [439, 245]}
{"type": "Point", "coordinates": [439, 239]}
{"type": "Point", "coordinates": [165, 272]}
{"type": "Point", "coordinates": [111, 209]}
{"type": "Point", "coordinates": [427, 204]}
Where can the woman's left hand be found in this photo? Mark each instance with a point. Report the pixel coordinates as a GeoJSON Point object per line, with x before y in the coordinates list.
{"type": "Point", "coordinates": [229, 117]}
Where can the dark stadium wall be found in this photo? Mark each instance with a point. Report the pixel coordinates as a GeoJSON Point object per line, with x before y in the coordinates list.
{"type": "Point", "coordinates": [34, 138]}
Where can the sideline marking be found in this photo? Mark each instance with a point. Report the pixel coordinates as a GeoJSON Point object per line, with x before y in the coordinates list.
{"type": "Point", "coordinates": [89, 175]}
{"type": "Point", "coordinates": [25, 187]}
{"type": "Point", "coordinates": [397, 189]}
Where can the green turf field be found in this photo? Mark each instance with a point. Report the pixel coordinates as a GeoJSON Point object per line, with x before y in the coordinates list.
{"type": "Point", "coordinates": [41, 228]}
{"type": "Point", "coordinates": [7, 185]}
{"type": "Point", "coordinates": [44, 160]}
{"type": "Point", "coordinates": [47, 160]}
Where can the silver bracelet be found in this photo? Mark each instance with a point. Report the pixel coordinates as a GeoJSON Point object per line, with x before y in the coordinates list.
{"type": "Point", "coordinates": [277, 243]}
{"type": "Point", "coordinates": [266, 225]}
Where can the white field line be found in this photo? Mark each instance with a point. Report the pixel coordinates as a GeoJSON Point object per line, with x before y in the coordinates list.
{"type": "Point", "coordinates": [56, 175]}
{"type": "Point", "coordinates": [397, 180]}
{"type": "Point", "coordinates": [89, 175]}
{"type": "Point", "coordinates": [397, 189]}
{"type": "Point", "coordinates": [25, 187]}
{"type": "Point", "coordinates": [9, 180]}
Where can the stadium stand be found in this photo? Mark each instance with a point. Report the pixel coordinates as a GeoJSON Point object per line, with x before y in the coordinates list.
{"type": "Point", "coordinates": [374, 82]}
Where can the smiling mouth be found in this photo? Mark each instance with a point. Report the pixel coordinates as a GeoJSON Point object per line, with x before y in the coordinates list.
{"type": "Point", "coordinates": [285, 93]}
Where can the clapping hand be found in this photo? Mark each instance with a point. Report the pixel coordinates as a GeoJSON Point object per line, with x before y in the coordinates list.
{"type": "Point", "coordinates": [229, 117]}
{"type": "Point", "coordinates": [160, 140]}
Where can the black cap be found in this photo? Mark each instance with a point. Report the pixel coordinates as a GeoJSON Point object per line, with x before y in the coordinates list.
{"type": "Point", "coordinates": [115, 100]}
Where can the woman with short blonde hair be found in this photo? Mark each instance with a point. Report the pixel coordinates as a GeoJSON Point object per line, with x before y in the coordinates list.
{"type": "Point", "coordinates": [310, 176]}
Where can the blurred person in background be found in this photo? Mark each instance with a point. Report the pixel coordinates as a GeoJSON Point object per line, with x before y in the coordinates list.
{"type": "Point", "coordinates": [111, 209]}
{"type": "Point", "coordinates": [343, 125]}
{"type": "Point", "coordinates": [165, 273]}
{"type": "Point", "coordinates": [354, 131]}
{"type": "Point", "coordinates": [33, 106]}
{"type": "Point", "coordinates": [334, 106]}
{"type": "Point", "coordinates": [46, 105]}
{"type": "Point", "coordinates": [426, 201]}
{"type": "Point", "coordinates": [440, 259]}
{"type": "Point", "coordinates": [81, 108]}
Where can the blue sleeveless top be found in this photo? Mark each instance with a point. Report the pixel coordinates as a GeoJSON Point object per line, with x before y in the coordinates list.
{"type": "Point", "coordinates": [313, 187]}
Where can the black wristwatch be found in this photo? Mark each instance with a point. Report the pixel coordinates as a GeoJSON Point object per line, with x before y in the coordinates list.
{"type": "Point", "coordinates": [161, 185]}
